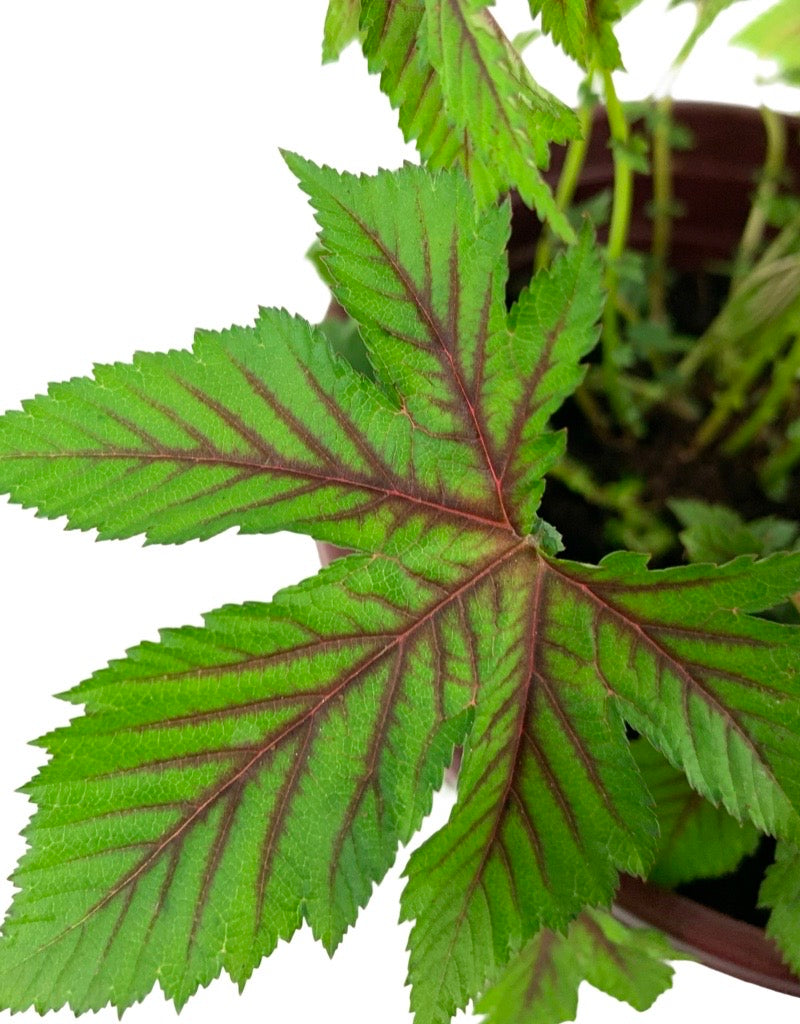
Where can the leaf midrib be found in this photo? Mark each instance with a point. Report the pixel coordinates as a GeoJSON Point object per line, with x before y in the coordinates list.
{"type": "Point", "coordinates": [182, 456]}
{"type": "Point", "coordinates": [241, 774]}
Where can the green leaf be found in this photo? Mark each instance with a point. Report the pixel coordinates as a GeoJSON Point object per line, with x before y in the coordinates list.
{"type": "Point", "coordinates": [584, 29]}
{"type": "Point", "coordinates": [490, 94]}
{"type": "Point", "coordinates": [341, 27]}
{"type": "Point", "coordinates": [715, 533]}
{"type": "Point", "coordinates": [540, 985]}
{"type": "Point", "coordinates": [550, 805]}
{"type": "Point", "coordinates": [231, 782]}
{"type": "Point", "coordinates": [464, 95]}
{"type": "Point", "coordinates": [775, 35]}
{"type": "Point", "coordinates": [698, 840]}
{"type": "Point", "coordinates": [235, 780]}
{"type": "Point", "coordinates": [434, 322]}
{"type": "Point", "coordinates": [553, 325]}
{"type": "Point", "coordinates": [780, 891]}
{"type": "Point", "coordinates": [187, 444]}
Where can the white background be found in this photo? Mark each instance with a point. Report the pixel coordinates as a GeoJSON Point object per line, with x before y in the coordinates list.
{"type": "Point", "coordinates": [141, 195]}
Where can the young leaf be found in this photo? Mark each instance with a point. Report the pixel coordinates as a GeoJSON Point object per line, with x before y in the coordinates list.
{"type": "Point", "coordinates": [780, 891]}
{"type": "Point", "coordinates": [467, 121]}
{"type": "Point", "coordinates": [540, 985]}
{"type": "Point", "coordinates": [698, 840]}
{"type": "Point", "coordinates": [235, 780]}
{"type": "Point", "coordinates": [583, 29]}
{"type": "Point", "coordinates": [549, 802]}
{"type": "Point", "coordinates": [341, 27]}
{"type": "Point", "coordinates": [715, 533]}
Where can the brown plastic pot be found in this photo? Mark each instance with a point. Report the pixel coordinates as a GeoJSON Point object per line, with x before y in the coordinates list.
{"type": "Point", "coordinates": [713, 183]}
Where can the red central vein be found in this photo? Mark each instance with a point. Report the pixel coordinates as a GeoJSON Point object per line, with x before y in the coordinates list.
{"type": "Point", "coordinates": [263, 467]}
{"type": "Point", "coordinates": [436, 329]}
{"type": "Point", "coordinates": [663, 655]}
{"type": "Point", "coordinates": [508, 788]}
{"type": "Point", "coordinates": [241, 773]}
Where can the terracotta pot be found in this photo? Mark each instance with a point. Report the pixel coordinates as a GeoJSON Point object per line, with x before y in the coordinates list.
{"type": "Point", "coordinates": [713, 183]}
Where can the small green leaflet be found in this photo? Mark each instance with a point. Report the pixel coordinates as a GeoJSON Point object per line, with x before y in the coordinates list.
{"type": "Point", "coordinates": [715, 533]}
{"type": "Point", "coordinates": [540, 985]}
{"type": "Point", "coordinates": [231, 782]}
{"type": "Point", "coordinates": [341, 27]}
{"type": "Point", "coordinates": [698, 840]}
{"type": "Point", "coordinates": [584, 29]}
{"type": "Point", "coordinates": [464, 94]}
{"type": "Point", "coordinates": [775, 35]}
{"type": "Point", "coordinates": [780, 891]}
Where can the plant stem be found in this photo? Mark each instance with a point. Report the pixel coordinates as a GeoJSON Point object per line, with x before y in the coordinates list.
{"type": "Point", "coordinates": [617, 238]}
{"type": "Point", "coordinates": [734, 397]}
{"type": "Point", "coordinates": [774, 163]}
{"type": "Point", "coordinates": [779, 464]}
{"type": "Point", "coordinates": [568, 180]}
{"type": "Point", "coordinates": [783, 379]}
{"type": "Point", "coordinates": [662, 209]}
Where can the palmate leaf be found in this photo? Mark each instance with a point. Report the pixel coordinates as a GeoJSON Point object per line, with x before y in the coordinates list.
{"type": "Point", "coordinates": [698, 840]}
{"type": "Point", "coordinates": [540, 985]}
{"type": "Point", "coordinates": [233, 781]}
{"type": "Point", "coordinates": [465, 96]}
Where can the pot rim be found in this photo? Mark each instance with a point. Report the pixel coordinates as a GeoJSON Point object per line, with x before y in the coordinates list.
{"type": "Point", "coordinates": [715, 939]}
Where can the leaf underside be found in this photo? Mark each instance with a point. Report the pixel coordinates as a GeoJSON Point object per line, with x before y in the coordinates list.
{"type": "Point", "coordinates": [540, 985]}
{"type": "Point", "coordinates": [697, 839]}
{"type": "Point", "coordinates": [235, 780]}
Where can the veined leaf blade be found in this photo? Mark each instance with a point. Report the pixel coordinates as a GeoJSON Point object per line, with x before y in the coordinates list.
{"type": "Point", "coordinates": [232, 781]}
{"type": "Point", "coordinates": [714, 688]}
{"type": "Point", "coordinates": [552, 327]}
{"type": "Point", "coordinates": [698, 840]}
{"type": "Point", "coordinates": [550, 807]}
{"type": "Point", "coordinates": [423, 272]}
{"type": "Point", "coordinates": [540, 985]}
{"type": "Point", "coordinates": [491, 95]}
{"type": "Point", "coordinates": [186, 444]}
{"type": "Point", "coordinates": [550, 802]}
